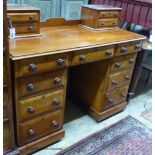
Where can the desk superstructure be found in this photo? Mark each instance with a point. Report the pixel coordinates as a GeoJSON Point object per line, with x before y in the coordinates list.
{"type": "Point", "coordinates": [103, 63]}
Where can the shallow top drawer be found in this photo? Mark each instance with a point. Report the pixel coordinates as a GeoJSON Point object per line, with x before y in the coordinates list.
{"type": "Point", "coordinates": [23, 17]}
{"type": "Point", "coordinates": [41, 64]}
{"type": "Point", "coordinates": [90, 55]}
{"type": "Point", "coordinates": [108, 14]}
{"type": "Point", "coordinates": [129, 47]}
{"type": "Point", "coordinates": [123, 62]}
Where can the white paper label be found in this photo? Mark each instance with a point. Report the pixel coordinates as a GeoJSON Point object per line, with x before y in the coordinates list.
{"type": "Point", "coordinates": [12, 33]}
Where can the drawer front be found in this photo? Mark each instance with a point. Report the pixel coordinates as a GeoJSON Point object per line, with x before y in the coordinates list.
{"type": "Point", "coordinates": [23, 17]}
{"type": "Point", "coordinates": [26, 28]}
{"type": "Point", "coordinates": [118, 79]}
{"type": "Point", "coordinates": [115, 97]}
{"type": "Point", "coordinates": [5, 102]}
{"type": "Point", "coordinates": [39, 104]}
{"type": "Point", "coordinates": [108, 14]}
{"type": "Point", "coordinates": [129, 47]}
{"type": "Point", "coordinates": [91, 55]}
{"type": "Point", "coordinates": [122, 62]}
{"type": "Point", "coordinates": [108, 23]}
{"type": "Point", "coordinates": [41, 126]}
{"type": "Point", "coordinates": [42, 82]}
{"type": "Point", "coordinates": [40, 64]}
{"type": "Point", "coordinates": [6, 136]}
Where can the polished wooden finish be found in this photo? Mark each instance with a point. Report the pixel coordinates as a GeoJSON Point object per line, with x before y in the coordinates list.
{"type": "Point", "coordinates": [40, 66]}
{"type": "Point", "coordinates": [8, 128]}
{"type": "Point", "coordinates": [37, 105]}
{"type": "Point", "coordinates": [42, 82]}
{"type": "Point", "coordinates": [24, 18]}
{"type": "Point", "coordinates": [47, 63]}
{"type": "Point", "coordinates": [56, 40]}
{"type": "Point", "coordinates": [41, 126]}
{"type": "Point", "coordinates": [54, 22]}
{"type": "Point", "coordinates": [100, 16]}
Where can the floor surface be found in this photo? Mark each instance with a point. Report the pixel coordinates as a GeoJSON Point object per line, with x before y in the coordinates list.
{"type": "Point", "coordinates": [78, 124]}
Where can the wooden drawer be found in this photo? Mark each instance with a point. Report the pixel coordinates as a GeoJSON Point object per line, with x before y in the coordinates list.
{"type": "Point", "coordinates": [122, 62]}
{"type": "Point", "coordinates": [40, 104]}
{"type": "Point", "coordinates": [108, 23]}
{"type": "Point", "coordinates": [40, 83]}
{"type": "Point", "coordinates": [26, 28]}
{"type": "Point", "coordinates": [115, 97]}
{"type": "Point", "coordinates": [23, 17]}
{"type": "Point", "coordinates": [90, 55]}
{"type": "Point", "coordinates": [41, 64]}
{"type": "Point", "coordinates": [118, 79]}
{"type": "Point", "coordinates": [6, 136]}
{"type": "Point", "coordinates": [41, 126]}
{"type": "Point", "coordinates": [129, 47]}
{"type": "Point", "coordinates": [108, 14]}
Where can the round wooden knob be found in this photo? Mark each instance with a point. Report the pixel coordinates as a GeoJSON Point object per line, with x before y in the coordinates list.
{"type": "Point", "coordinates": [54, 123]}
{"type": "Point", "coordinates": [31, 132]}
{"type": "Point", "coordinates": [123, 49]}
{"type": "Point", "coordinates": [31, 87]}
{"type": "Point", "coordinates": [117, 65]}
{"type": "Point", "coordinates": [103, 14]}
{"type": "Point", "coordinates": [123, 95]}
{"type": "Point", "coordinates": [114, 82]}
{"type": "Point", "coordinates": [61, 62]}
{"type": "Point", "coordinates": [56, 101]}
{"type": "Point", "coordinates": [115, 14]}
{"type": "Point", "coordinates": [82, 58]}
{"type": "Point", "coordinates": [31, 110]}
{"type": "Point", "coordinates": [33, 67]}
{"type": "Point", "coordinates": [131, 61]}
{"type": "Point", "coordinates": [30, 28]}
{"type": "Point", "coordinates": [31, 17]}
{"type": "Point", "coordinates": [127, 77]}
{"type": "Point", "coordinates": [57, 80]}
{"type": "Point", "coordinates": [109, 53]}
{"type": "Point", "coordinates": [102, 23]}
{"type": "Point", "coordinates": [114, 23]}
{"type": "Point", "coordinates": [110, 100]}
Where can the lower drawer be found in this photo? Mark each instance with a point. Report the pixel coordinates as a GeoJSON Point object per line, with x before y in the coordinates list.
{"type": "Point", "coordinates": [26, 28]}
{"type": "Point", "coordinates": [36, 128]}
{"type": "Point", "coordinates": [108, 23]}
{"type": "Point", "coordinates": [40, 104]}
{"type": "Point", "coordinates": [115, 97]}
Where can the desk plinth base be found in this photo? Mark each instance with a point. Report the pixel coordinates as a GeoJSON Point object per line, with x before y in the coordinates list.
{"type": "Point", "coordinates": [99, 116]}
{"type": "Point", "coordinates": [41, 143]}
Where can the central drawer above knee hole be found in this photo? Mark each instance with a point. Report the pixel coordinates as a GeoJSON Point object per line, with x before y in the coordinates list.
{"type": "Point", "coordinates": [41, 83]}
{"type": "Point", "coordinates": [90, 55]}
{"type": "Point", "coordinates": [41, 64]}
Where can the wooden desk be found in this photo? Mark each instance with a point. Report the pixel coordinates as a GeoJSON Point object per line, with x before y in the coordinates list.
{"type": "Point", "coordinates": [102, 64]}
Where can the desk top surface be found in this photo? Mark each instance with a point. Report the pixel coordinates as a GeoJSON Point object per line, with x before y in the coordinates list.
{"type": "Point", "coordinates": [65, 39]}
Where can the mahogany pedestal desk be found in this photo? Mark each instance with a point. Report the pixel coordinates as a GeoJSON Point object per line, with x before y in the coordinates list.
{"type": "Point", "coordinates": [100, 64]}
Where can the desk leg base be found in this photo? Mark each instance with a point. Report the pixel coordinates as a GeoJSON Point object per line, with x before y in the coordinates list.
{"type": "Point", "coordinates": [41, 143]}
{"type": "Point", "coordinates": [99, 116]}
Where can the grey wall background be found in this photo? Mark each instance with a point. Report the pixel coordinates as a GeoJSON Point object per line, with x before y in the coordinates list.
{"type": "Point", "coordinates": [69, 9]}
